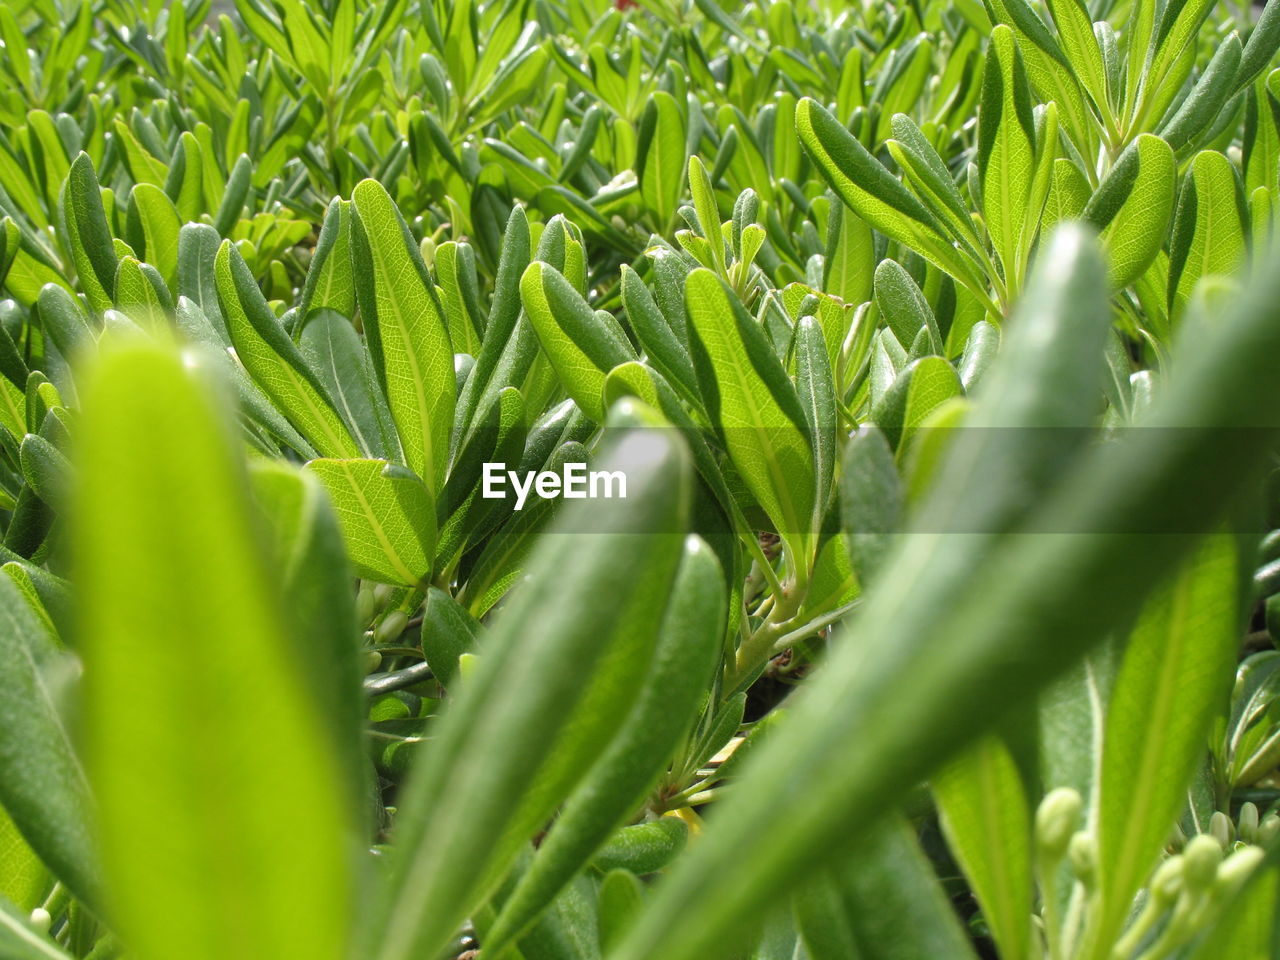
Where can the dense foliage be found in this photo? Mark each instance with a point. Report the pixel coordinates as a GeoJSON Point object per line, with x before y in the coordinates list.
{"type": "Point", "coordinates": [937, 344]}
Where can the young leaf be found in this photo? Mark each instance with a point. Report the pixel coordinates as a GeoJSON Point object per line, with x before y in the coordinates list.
{"type": "Point", "coordinates": [1133, 206]}
{"type": "Point", "coordinates": [1175, 672]}
{"type": "Point", "coordinates": [387, 516]}
{"type": "Point", "coordinates": [581, 348]}
{"type": "Point", "coordinates": [273, 360]}
{"type": "Point", "coordinates": [753, 404]}
{"type": "Point", "coordinates": [407, 335]}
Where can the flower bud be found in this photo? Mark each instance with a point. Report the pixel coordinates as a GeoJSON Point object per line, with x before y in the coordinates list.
{"type": "Point", "coordinates": [1200, 861]}
{"type": "Point", "coordinates": [41, 920]}
{"type": "Point", "coordinates": [372, 660]}
{"type": "Point", "coordinates": [1056, 820]}
{"type": "Point", "coordinates": [1083, 856]}
{"type": "Point", "coordinates": [1247, 824]}
{"type": "Point", "coordinates": [1222, 829]}
{"type": "Point", "coordinates": [366, 604]}
{"type": "Point", "coordinates": [1269, 828]}
{"type": "Point", "coordinates": [391, 627]}
{"type": "Point", "coordinates": [1166, 882]}
{"type": "Point", "coordinates": [1235, 870]}
{"type": "Point", "coordinates": [383, 594]}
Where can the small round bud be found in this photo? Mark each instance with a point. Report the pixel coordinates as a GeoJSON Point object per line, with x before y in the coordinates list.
{"type": "Point", "coordinates": [1269, 828]}
{"type": "Point", "coordinates": [371, 661]}
{"type": "Point", "coordinates": [366, 604]}
{"type": "Point", "coordinates": [391, 627]}
{"type": "Point", "coordinates": [1247, 824]}
{"type": "Point", "coordinates": [1222, 829]}
{"type": "Point", "coordinates": [1083, 856]}
{"type": "Point", "coordinates": [1200, 861]}
{"type": "Point", "coordinates": [1056, 820]}
{"type": "Point", "coordinates": [1166, 882]}
{"type": "Point", "coordinates": [41, 920]}
{"type": "Point", "coordinates": [383, 594]}
{"type": "Point", "coordinates": [1235, 870]}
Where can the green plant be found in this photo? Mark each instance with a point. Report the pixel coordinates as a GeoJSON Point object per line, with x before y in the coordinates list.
{"type": "Point", "coordinates": [933, 345]}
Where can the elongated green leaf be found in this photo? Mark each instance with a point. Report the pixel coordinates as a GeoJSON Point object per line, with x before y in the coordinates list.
{"type": "Point", "coordinates": [88, 235]}
{"type": "Point", "coordinates": [24, 880]}
{"type": "Point", "coordinates": [884, 903]}
{"type": "Point", "coordinates": [687, 650]}
{"type": "Point", "coordinates": [407, 335]}
{"type": "Point", "coordinates": [875, 195]}
{"type": "Point", "coordinates": [1176, 671]}
{"type": "Point", "coordinates": [42, 786]}
{"type": "Point", "coordinates": [1006, 150]}
{"type": "Point", "coordinates": [333, 349]}
{"type": "Point", "coordinates": [903, 305]}
{"type": "Point", "coordinates": [585, 626]}
{"type": "Point", "coordinates": [273, 360]}
{"type": "Point", "coordinates": [1208, 230]}
{"type": "Point", "coordinates": [660, 157]}
{"type": "Point", "coordinates": [330, 283]}
{"type": "Point", "coordinates": [581, 347]}
{"type": "Point", "coordinates": [987, 822]}
{"type": "Point", "coordinates": [387, 516]}
{"type": "Point", "coordinates": [1133, 206]}
{"type": "Point", "coordinates": [753, 404]}
{"type": "Point", "coordinates": [162, 496]}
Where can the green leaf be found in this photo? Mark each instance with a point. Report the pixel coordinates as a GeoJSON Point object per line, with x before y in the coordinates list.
{"type": "Point", "coordinates": [1208, 227]}
{"type": "Point", "coordinates": [850, 256]}
{"type": "Point", "coordinates": [1206, 99]}
{"type": "Point", "coordinates": [153, 229]}
{"type": "Point", "coordinates": [704, 202]}
{"type": "Point", "coordinates": [871, 499]}
{"type": "Point", "coordinates": [581, 347]}
{"type": "Point", "coordinates": [387, 517]}
{"type": "Point", "coordinates": [1132, 208]}
{"type": "Point", "coordinates": [1006, 151]}
{"type": "Point", "coordinates": [986, 819]}
{"type": "Point", "coordinates": [1174, 675]}
{"type": "Point", "coordinates": [163, 495]}
{"type": "Point", "coordinates": [88, 235]}
{"type": "Point", "coordinates": [330, 283]}
{"type": "Point", "coordinates": [406, 333]}
{"type": "Point", "coordinates": [273, 360]}
{"type": "Point", "coordinates": [42, 786]}
{"type": "Point", "coordinates": [817, 395]}
{"type": "Point", "coordinates": [903, 306]}
{"type": "Point", "coordinates": [332, 348]}
{"type": "Point", "coordinates": [688, 648]}
{"type": "Point", "coordinates": [871, 192]}
{"type": "Point", "coordinates": [660, 157]}
{"type": "Point", "coordinates": [24, 880]}
{"type": "Point", "coordinates": [561, 667]}
{"type": "Point", "coordinates": [922, 387]}
{"type": "Point", "coordinates": [754, 406]}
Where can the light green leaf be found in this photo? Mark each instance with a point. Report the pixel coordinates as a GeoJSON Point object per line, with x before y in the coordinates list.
{"type": "Point", "coordinates": [581, 347]}
{"type": "Point", "coordinates": [406, 333]}
{"type": "Point", "coordinates": [1174, 674]}
{"type": "Point", "coordinates": [754, 406]}
{"type": "Point", "coordinates": [387, 517]}
{"type": "Point", "coordinates": [1133, 206]}
{"type": "Point", "coordinates": [168, 538]}
{"type": "Point", "coordinates": [986, 819]}
{"type": "Point", "coordinates": [273, 360]}
{"type": "Point", "coordinates": [660, 157]}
